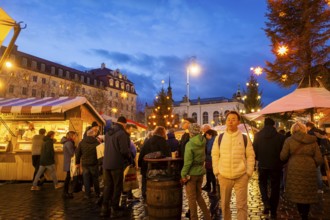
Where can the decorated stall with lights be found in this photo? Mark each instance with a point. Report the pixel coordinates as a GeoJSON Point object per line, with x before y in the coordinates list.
{"type": "Point", "coordinates": [19, 115]}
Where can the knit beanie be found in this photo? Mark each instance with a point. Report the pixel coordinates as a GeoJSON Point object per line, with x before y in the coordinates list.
{"type": "Point", "coordinates": [194, 129]}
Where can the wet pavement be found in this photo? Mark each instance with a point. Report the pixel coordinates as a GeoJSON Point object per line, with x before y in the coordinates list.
{"type": "Point", "coordinates": [18, 202]}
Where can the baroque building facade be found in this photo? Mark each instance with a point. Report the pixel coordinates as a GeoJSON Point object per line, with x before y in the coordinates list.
{"type": "Point", "coordinates": [109, 91]}
{"type": "Point", "coordinates": [204, 110]}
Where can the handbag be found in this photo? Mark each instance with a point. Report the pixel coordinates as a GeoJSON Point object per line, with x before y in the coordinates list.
{"type": "Point", "coordinates": [130, 179]}
{"type": "Point", "coordinates": [77, 181]}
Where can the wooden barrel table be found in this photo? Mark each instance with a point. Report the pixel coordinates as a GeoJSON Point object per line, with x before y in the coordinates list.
{"type": "Point", "coordinates": [164, 194]}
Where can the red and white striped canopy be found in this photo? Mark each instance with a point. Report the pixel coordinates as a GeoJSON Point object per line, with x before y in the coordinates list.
{"type": "Point", "coordinates": [41, 105]}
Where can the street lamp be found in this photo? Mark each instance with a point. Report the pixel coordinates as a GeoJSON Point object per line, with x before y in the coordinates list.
{"type": "Point", "coordinates": [192, 68]}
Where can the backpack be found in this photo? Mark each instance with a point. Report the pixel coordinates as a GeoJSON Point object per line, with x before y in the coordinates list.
{"type": "Point", "coordinates": [221, 136]}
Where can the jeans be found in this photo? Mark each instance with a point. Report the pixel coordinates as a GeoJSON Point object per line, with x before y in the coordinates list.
{"type": "Point", "coordinates": [319, 178]}
{"type": "Point", "coordinates": [36, 164]}
{"type": "Point", "coordinates": [41, 170]}
{"type": "Point", "coordinates": [144, 186]}
{"type": "Point", "coordinates": [194, 194]}
{"type": "Point", "coordinates": [274, 175]}
{"type": "Point", "coordinates": [113, 186]}
{"type": "Point", "coordinates": [88, 172]}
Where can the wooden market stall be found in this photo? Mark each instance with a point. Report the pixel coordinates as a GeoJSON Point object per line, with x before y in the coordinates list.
{"type": "Point", "coordinates": [53, 114]}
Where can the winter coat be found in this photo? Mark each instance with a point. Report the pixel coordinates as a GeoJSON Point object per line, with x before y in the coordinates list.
{"type": "Point", "coordinates": [301, 180]}
{"type": "Point", "coordinates": [232, 159]}
{"type": "Point", "coordinates": [267, 145]}
{"type": "Point", "coordinates": [68, 152]}
{"type": "Point", "coordinates": [47, 152]}
{"type": "Point", "coordinates": [86, 151]}
{"type": "Point", "coordinates": [117, 153]}
{"type": "Point", "coordinates": [184, 140]}
{"type": "Point", "coordinates": [153, 144]}
{"type": "Point", "coordinates": [172, 142]}
{"type": "Point", "coordinates": [209, 145]}
{"type": "Point", "coordinates": [194, 157]}
{"type": "Point", "coordinates": [37, 142]}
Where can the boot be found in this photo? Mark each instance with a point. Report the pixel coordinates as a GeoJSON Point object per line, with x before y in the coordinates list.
{"type": "Point", "coordinates": [104, 211]}
{"type": "Point", "coordinates": [116, 213]}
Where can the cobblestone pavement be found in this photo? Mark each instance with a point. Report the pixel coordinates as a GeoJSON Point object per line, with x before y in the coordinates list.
{"type": "Point", "coordinates": [18, 202]}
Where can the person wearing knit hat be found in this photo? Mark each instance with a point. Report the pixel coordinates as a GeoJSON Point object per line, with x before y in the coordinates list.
{"type": "Point", "coordinates": [194, 129]}
{"type": "Point", "coordinates": [267, 146]}
{"type": "Point", "coordinates": [117, 156]}
{"type": "Point", "coordinates": [193, 172]}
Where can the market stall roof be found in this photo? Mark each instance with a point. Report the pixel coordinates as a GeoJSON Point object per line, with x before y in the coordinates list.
{"type": "Point", "coordinates": [299, 100]}
{"type": "Point", "coordinates": [129, 121]}
{"type": "Point", "coordinates": [44, 105]}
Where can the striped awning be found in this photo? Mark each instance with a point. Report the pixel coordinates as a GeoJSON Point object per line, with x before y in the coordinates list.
{"type": "Point", "coordinates": [41, 105]}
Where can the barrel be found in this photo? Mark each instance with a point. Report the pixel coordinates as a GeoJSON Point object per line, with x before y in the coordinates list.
{"type": "Point", "coordinates": [164, 199]}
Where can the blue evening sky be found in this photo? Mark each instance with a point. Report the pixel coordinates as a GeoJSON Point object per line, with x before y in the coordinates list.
{"type": "Point", "coordinates": [150, 40]}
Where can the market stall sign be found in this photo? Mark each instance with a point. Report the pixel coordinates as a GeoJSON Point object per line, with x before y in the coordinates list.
{"type": "Point", "coordinates": [41, 116]}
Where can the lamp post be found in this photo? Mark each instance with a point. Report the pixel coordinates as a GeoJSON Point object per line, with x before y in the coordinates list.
{"type": "Point", "coordinates": [192, 68]}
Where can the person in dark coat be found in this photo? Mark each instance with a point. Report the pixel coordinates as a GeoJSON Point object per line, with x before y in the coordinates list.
{"type": "Point", "coordinates": [37, 142]}
{"type": "Point", "coordinates": [210, 178]}
{"type": "Point", "coordinates": [157, 142]}
{"type": "Point", "coordinates": [304, 155]}
{"type": "Point", "coordinates": [47, 161]}
{"type": "Point", "coordinates": [267, 145]}
{"type": "Point", "coordinates": [185, 137]}
{"type": "Point", "coordinates": [68, 152]}
{"type": "Point", "coordinates": [172, 141]}
{"type": "Point", "coordinates": [86, 151]}
{"type": "Point", "coordinates": [117, 157]}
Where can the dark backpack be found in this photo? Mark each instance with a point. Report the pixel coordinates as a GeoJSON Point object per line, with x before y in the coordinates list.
{"type": "Point", "coordinates": [221, 135]}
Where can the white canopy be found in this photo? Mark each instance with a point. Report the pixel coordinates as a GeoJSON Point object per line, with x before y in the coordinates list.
{"type": "Point", "coordinates": [300, 99]}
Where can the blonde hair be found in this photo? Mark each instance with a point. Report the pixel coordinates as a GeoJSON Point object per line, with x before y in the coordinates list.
{"type": "Point", "coordinates": [298, 126]}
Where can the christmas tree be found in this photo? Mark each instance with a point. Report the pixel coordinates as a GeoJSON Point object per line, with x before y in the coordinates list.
{"type": "Point", "coordinates": [299, 31]}
{"type": "Point", "coordinates": [252, 95]}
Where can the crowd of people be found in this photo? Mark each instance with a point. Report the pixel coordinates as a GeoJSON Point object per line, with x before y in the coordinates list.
{"type": "Point", "coordinates": [228, 160]}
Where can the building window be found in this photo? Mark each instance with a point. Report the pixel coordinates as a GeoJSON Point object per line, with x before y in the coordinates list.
{"type": "Point", "coordinates": [43, 80]}
{"type": "Point", "coordinates": [42, 94]}
{"type": "Point", "coordinates": [127, 87]}
{"type": "Point", "coordinates": [60, 72]}
{"type": "Point", "coordinates": [122, 85]}
{"type": "Point", "coordinates": [117, 84]}
{"type": "Point", "coordinates": [34, 93]}
{"type": "Point", "coordinates": [216, 117]}
{"type": "Point", "coordinates": [43, 67]}
{"type": "Point", "coordinates": [111, 82]}
{"type": "Point", "coordinates": [52, 70]}
{"type": "Point", "coordinates": [194, 116]}
{"type": "Point", "coordinates": [24, 62]}
{"type": "Point", "coordinates": [116, 94]}
{"type": "Point", "coordinates": [34, 65]}
{"type": "Point", "coordinates": [76, 77]}
{"type": "Point", "coordinates": [11, 89]}
{"type": "Point", "coordinates": [82, 78]}
{"type": "Point", "coordinates": [35, 78]}
{"type": "Point", "coordinates": [88, 80]}
{"type": "Point", "coordinates": [24, 91]}
{"type": "Point", "coordinates": [132, 89]}
{"type": "Point", "coordinates": [101, 84]}
{"type": "Point", "coordinates": [67, 74]}
{"type": "Point", "coordinates": [205, 118]}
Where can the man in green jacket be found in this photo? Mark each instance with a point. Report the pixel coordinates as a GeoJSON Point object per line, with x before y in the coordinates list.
{"type": "Point", "coordinates": [193, 171]}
